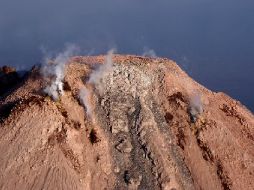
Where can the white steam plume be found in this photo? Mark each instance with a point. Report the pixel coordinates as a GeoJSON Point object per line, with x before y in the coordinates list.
{"type": "Point", "coordinates": [195, 106]}
{"type": "Point", "coordinates": [85, 98]}
{"type": "Point", "coordinates": [98, 76]}
{"type": "Point", "coordinates": [149, 53]}
{"type": "Point", "coordinates": [54, 71]}
{"type": "Point", "coordinates": [96, 79]}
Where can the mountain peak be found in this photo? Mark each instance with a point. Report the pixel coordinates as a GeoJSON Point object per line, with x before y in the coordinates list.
{"type": "Point", "coordinates": [122, 122]}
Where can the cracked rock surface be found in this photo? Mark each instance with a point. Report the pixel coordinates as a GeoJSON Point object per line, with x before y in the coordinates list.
{"type": "Point", "coordinates": [141, 135]}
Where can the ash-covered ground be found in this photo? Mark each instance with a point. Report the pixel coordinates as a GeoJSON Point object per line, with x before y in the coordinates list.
{"type": "Point", "coordinates": [122, 122]}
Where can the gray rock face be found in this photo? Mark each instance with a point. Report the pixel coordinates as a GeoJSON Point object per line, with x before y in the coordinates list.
{"type": "Point", "coordinates": [134, 120]}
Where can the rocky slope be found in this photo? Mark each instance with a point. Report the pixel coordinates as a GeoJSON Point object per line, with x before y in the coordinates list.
{"type": "Point", "coordinates": [148, 126]}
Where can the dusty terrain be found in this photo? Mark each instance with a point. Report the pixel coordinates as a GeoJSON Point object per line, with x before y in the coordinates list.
{"type": "Point", "coordinates": [152, 127]}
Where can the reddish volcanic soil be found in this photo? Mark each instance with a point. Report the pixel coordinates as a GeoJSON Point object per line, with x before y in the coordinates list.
{"type": "Point", "coordinates": [152, 127]}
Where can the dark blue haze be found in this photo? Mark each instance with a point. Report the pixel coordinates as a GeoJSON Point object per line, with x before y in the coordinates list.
{"type": "Point", "coordinates": [213, 40]}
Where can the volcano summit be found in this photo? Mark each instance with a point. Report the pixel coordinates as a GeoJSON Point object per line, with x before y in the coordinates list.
{"type": "Point", "coordinates": [122, 122]}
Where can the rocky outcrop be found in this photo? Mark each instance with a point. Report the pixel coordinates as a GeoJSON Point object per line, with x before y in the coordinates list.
{"type": "Point", "coordinates": [8, 79]}
{"type": "Point", "coordinates": [151, 127]}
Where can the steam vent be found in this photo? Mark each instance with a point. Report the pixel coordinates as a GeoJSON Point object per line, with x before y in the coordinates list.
{"type": "Point", "coordinates": [122, 122]}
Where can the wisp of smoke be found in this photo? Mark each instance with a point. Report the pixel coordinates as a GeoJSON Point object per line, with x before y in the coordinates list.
{"type": "Point", "coordinates": [195, 107]}
{"type": "Point", "coordinates": [54, 71]}
{"type": "Point", "coordinates": [85, 98]}
{"type": "Point", "coordinates": [96, 79]}
{"type": "Point", "coordinates": [149, 53]}
{"type": "Point", "coordinates": [97, 76]}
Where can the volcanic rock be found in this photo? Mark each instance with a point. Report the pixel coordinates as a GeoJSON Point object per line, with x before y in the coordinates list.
{"type": "Point", "coordinates": [151, 127]}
